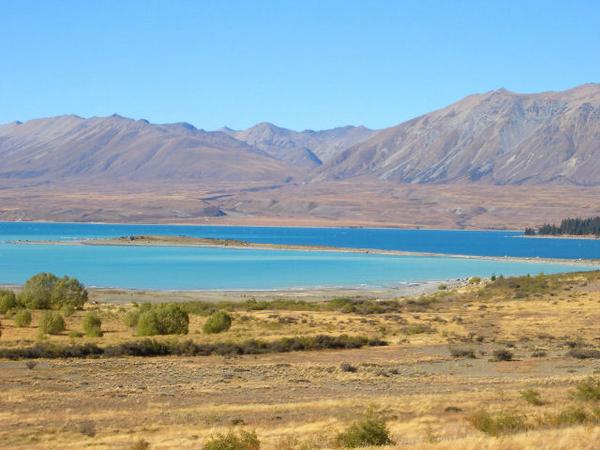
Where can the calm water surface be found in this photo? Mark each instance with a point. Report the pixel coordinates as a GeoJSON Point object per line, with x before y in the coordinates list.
{"type": "Point", "coordinates": [204, 268]}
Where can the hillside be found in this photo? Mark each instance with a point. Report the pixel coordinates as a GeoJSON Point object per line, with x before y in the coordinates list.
{"type": "Point", "coordinates": [499, 137]}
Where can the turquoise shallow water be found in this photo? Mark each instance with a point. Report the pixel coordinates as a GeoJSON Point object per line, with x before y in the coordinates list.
{"type": "Point", "coordinates": [215, 268]}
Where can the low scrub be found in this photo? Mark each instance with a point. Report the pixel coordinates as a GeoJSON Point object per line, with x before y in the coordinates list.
{"type": "Point", "coordinates": [51, 323]}
{"type": "Point", "coordinates": [155, 347]}
{"type": "Point", "coordinates": [502, 355]}
{"type": "Point", "coordinates": [92, 325]}
{"type": "Point", "coordinates": [571, 416]}
{"type": "Point", "coordinates": [588, 390]}
{"type": "Point", "coordinates": [8, 300]}
{"type": "Point", "coordinates": [217, 322]}
{"type": "Point", "coordinates": [584, 353]}
{"type": "Point", "coordinates": [243, 440]}
{"type": "Point", "coordinates": [532, 397]}
{"type": "Point", "coordinates": [46, 290]}
{"type": "Point", "coordinates": [462, 352]}
{"type": "Point", "coordinates": [371, 431]}
{"type": "Point", "coordinates": [23, 318]}
{"type": "Point", "coordinates": [499, 423]}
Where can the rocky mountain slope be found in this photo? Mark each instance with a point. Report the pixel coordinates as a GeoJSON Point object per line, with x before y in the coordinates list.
{"type": "Point", "coordinates": [308, 148]}
{"type": "Point", "coordinates": [499, 137]}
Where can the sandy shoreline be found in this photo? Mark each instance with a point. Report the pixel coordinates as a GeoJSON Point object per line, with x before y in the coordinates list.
{"type": "Point", "coordinates": [184, 241]}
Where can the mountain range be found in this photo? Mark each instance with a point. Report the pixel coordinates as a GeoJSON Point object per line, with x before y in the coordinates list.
{"type": "Point", "coordinates": [498, 138]}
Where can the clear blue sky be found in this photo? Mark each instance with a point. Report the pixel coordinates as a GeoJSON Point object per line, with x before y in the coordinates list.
{"type": "Point", "coordinates": [300, 64]}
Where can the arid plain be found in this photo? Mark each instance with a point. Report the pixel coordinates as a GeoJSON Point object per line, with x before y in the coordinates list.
{"type": "Point", "coordinates": [451, 358]}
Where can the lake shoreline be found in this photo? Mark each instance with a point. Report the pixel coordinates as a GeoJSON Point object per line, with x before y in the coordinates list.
{"type": "Point", "coordinates": [190, 242]}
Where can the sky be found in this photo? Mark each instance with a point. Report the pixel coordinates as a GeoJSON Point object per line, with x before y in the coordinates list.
{"type": "Point", "coordinates": [310, 64]}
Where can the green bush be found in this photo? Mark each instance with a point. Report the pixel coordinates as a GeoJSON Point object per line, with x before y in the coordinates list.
{"type": "Point", "coordinates": [45, 291]}
{"type": "Point", "coordinates": [75, 334]}
{"type": "Point", "coordinates": [8, 300]}
{"type": "Point", "coordinates": [23, 318]}
{"type": "Point", "coordinates": [217, 322]}
{"type": "Point", "coordinates": [371, 431]}
{"type": "Point", "coordinates": [476, 280]}
{"type": "Point", "coordinates": [51, 323]}
{"type": "Point", "coordinates": [163, 319]}
{"type": "Point", "coordinates": [37, 291]}
{"type": "Point", "coordinates": [588, 390]}
{"type": "Point", "coordinates": [498, 424]}
{"type": "Point", "coordinates": [92, 325]}
{"type": "Point", "coordinates": [244, 440]}
{"type": "Point", "coordinates": [68, 292]}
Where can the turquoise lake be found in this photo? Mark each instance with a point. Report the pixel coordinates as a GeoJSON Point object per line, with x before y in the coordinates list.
{"type": "Point", "coordinates": [173, 268]}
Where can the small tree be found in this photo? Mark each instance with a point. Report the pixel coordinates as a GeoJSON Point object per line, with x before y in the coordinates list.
{"type": "Point", "coordinates": [8, 300]}
{"type": "Point", "coordinates": [92, 325]}
{"type": "Point", "coordinates": [68, 292]}
{"type": "Point", "coordinates": [217, 322]}
{"type": "Point", "coordinates": [23, 318]}
{"type": "Point", "coordinates": [37, 291]}
{"type": "Point", "coordinates": [51, 323]}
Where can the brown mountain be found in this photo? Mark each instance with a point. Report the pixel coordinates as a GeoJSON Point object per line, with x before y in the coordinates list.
{"type": "Point", "coordinates": [498, 137]}
{"type": "Point", "coordinates": [115, 148]}
{"type": "Point", "coordinates": [307, 149]}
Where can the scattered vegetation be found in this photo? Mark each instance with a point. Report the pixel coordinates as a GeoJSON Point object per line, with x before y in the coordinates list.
{"type": "Point", "coordinates": [217, 322]}
{"type": "Point", "coordinates": [243, 440]}
{"type": "Point", "coordinates": [370, 431]}
{"type": "Point", "coordinates": [584, 353]}
{"type": "Point", "coordinates": [155, 347]}
{"type": "Point", "coordinates": [51, 323]}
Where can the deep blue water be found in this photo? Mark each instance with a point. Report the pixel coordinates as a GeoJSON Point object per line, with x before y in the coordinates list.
{"type": "Point", "coordinates": [204, 268]}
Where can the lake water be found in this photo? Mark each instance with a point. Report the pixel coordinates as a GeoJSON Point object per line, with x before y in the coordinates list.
{"type": "Point", "coordinates": [215, 268]}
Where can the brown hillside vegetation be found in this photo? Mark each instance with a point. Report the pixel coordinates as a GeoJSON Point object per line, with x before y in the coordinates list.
{"type": "Point", "coordinates": [511, 363]}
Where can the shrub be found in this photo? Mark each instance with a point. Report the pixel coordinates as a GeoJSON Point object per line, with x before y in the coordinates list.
{"type": "Point", "coordinates": [23, 318]}
{"type": "Point", "coordinates": [347, 367]}
{"type": "Point", "coordinates": [8, 300]}
{"type": "Point", "coordinates": [68, 292]}
{"type": "Point", "coordinates": [244, 440]}
{"type": "Point", "coordinates": [75, 334]}
{"type": "Point", "coordinates": [217, 322]}
{"type": "Point", "coordinates": [37, 291]}
{"type": "Point", "coordinates": [572, 415]}
{"type": "Point", "coordinates": [584, 353]}
{"type": "Point", "coordinates": [45, 291]}
{"type": "Point", "coordinates": [498, 424]}
{"type": "Point", "coordinates": [442, 287]}
{"type": "Point", "coordinates": [417, 328]}
{"type": "Point", "coordinates": [51, 323]}
{"type": "Point", "coordinates": [92, 325]}
{"type": "Point", "coordinates": [371, 431]}
{"type": "Point", "coordinates": [532, 397]}
{"type": "Point", "coordinates": [462, 352]}
{"type": "Point", "coordinates": [67, 310]}
{"type": "Point", "coordinates": [476, 280]}
{"type": "Point", "coordinates": [588, 390]}
{"type": "Point", "coordinates": [163, 319]}
{"type": "Point", "coordinates": [152, 347]}
{"type": "Point", "coordinates": [131, 318]}
{"type": "Point", "coordinates": [502, 355]}
{"type": "Point", "coordinates": [142, 444]}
